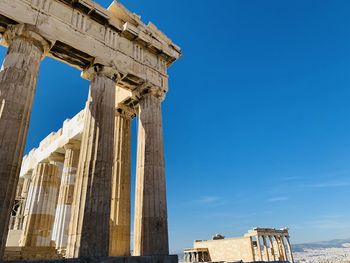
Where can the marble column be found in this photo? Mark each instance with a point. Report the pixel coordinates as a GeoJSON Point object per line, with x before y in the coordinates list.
{"type": "Point", "coordinates": [16, 207]}
{"type": "Point", "coordinates": [20, 186]}
{"type": "Point", "coordinates": [24, 193]}
{"type": "Point", "coordinates": [252, 247]}
{"type": "Point", "coordinates": [282, 254]}
{"type": "Point", "coordinates": [151, 224]}
{"type": "Point", "coordinates": [18, 77]}
{"type": "Point", "coordinates": [185, 257]}
{"type": "Point", "coordinates": [272, 248]}
{"type": "Point", "coordinates": [283, 245]}
{"type": "Point", "coordinates": [259, 248]}
{"type": "Point", "coordinates": [120, 206]}
{"type": "Point", "coordinates": [266, 248]}
{"type": "Point", "coordinates": [65, 197]}
{"type": "Point", "coordinates": [40, 209]}
{"type": "Point", "coordinates": [89, 226]}
{"type": "Point", "coordinates": [57, 159]}
{"type": "Point", "coordinates": [290, 251]}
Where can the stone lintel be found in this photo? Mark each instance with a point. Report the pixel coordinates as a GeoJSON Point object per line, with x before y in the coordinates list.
{"type": "Point", "coordinates": [78, 37]}
{"type": "Point", "coordinates": [267, 232]}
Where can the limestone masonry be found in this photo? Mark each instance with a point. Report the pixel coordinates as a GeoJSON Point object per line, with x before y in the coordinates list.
{"type": "Point", "coordinates": [70, 197]}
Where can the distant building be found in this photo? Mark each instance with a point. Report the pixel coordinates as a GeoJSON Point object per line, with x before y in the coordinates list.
{"type": "Point", "coordinates": [259, 244]}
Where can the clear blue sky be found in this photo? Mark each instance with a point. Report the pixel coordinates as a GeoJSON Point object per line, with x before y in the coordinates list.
{"type": "Point", "coordinates": [257, 119]}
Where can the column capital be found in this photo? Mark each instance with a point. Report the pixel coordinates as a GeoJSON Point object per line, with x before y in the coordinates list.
{"type": "Point", "coordinates": [102, 70]}
{"type": "Point", "coordinates": [28, 174]}
{"type": "Point", "coordinates": [146, 89]}
{"type": "Point", "coordinates": [28, 32]}
{"type": "Point", "coordinates": [56, 157]}
{"type": "Point", "coordinates": [72, 144]}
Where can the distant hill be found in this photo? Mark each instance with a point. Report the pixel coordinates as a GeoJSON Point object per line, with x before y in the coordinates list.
{"type": "Point", "coordinates": [336, 243]}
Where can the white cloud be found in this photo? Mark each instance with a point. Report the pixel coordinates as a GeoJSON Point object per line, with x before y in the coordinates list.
{"type": "Point", "coordinates": [278, 199]}
{"type": "Point", "coordinates": [330, 184]}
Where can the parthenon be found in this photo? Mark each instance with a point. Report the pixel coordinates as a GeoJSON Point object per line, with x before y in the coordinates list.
{"type": "Point", "coordinates": [73, 196]}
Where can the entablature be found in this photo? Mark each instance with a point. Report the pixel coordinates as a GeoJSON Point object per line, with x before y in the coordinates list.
{"type": "Point", "coordinates": [267, 232]}
{"type": "Point", "coordinates": [81, 31]}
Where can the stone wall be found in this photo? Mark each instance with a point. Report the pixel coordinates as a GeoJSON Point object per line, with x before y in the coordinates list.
{"type": "Point", "coordinates": [231, 249]}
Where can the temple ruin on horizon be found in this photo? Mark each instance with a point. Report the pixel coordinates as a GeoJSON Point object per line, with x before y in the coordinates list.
{"type": "Point", "coordinates": [73, 197]}
{"type": "Point", "coordinates": [258, 245]}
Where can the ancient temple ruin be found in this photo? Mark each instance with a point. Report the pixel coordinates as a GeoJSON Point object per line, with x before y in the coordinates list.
{"type": "Point", "coordinates": [258, 245]}
{"type": "Point", "coordinates": [74, 193]}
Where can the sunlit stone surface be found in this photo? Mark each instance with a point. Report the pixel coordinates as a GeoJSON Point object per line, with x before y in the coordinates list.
{"type": "Point", "coordinates": [79, 205]}
{"type": "Point", "coordinates": [258, 245]}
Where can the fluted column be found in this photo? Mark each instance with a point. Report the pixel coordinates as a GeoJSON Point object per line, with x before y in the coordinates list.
{"type": "Point", "coordinates": [120, 207]}
{"type": "Point", "coordinates": [151, 225]}
{"type": "Point", "coordinates": [89, 227]}
{"type": "Point", "coordinates": [272, 248]}
{"type": "Point", "coordinates": [266, 248]}
{"type": "Point", "coordinates": [18, 77]}
{"type": "Point", "coordinates": [259, 248]}
{"type": "Point", "coordinates": [20, 186]}
{"type": "Point", "coordinates": [65, 197]}
{"type": "Point", "coordinates": [24, 195]}
{"type": "Point", "coordinates": [252, 248]}
{"type": "Point", "coordinates": [16, 207]}
{"type": "Point", "coordinates": [40, 209]}
{"type": "Point", "coordinates": [281, 254]}
{"type": "Point", "coordinates": [290, 251]}
{"type": "Point", "coordinates": [283, 248]}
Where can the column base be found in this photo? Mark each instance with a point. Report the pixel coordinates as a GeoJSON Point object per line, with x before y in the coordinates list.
{"type": "Point", "coordinates": [141, 259]}
{"type": "Point", "coordinates": [17, 254]}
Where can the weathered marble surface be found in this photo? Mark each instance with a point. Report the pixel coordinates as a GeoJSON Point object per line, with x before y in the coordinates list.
{"type": "Point", "coordinates": [151, 224]}
{"type": "Point", "coordinates": [89, 227]}
{"type": "Point", "coordinates": [18, 78]}
{"type": "Point", "coordinates": [84, 32]}
{"type": "Point", "coordinates": [115, 44]}
{"type": "Point", "coordinates": [40, 210]}
{"type": "Point", "coordinates": [120, 206]}
{"type": "Point", "coordinates": [65, 198]}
